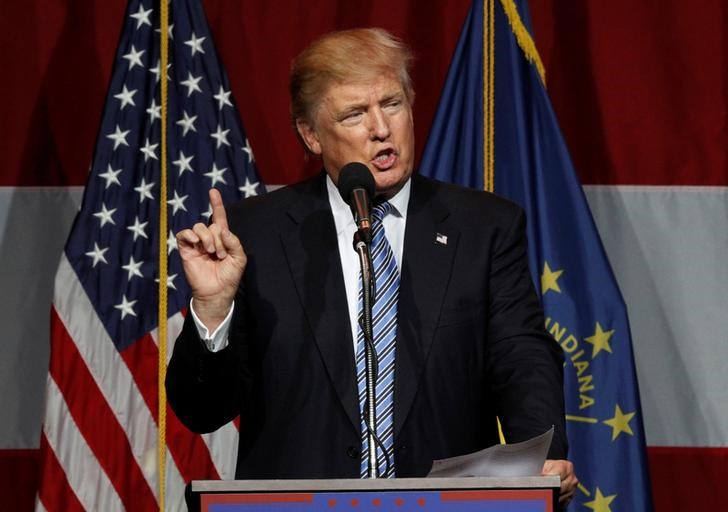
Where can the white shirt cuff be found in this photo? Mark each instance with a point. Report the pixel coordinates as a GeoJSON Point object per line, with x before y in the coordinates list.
{"type": "Point", "coordinates": [218, 340]}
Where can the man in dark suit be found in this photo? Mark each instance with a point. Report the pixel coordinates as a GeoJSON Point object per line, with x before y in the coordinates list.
{"type": "Point", "coordinates": [272, 330]}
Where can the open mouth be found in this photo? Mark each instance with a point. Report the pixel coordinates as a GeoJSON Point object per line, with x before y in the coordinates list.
{"type": "Point", "coordinates": [385, 159]}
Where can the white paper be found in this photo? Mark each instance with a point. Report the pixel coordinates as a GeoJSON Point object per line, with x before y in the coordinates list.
{"type": "Point", "coordinates": [518, 459]}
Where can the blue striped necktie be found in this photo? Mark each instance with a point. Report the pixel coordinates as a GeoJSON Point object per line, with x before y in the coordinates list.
{"type": "Point", "coordinates": [384, 320]}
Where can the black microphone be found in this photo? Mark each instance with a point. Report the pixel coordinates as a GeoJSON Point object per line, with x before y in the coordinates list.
{"type": "Point", "coordinates": [356, 186]}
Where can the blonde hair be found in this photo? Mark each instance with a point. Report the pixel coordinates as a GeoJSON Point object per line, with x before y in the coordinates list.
{"type": "Point", "coordinates": [346, 56]}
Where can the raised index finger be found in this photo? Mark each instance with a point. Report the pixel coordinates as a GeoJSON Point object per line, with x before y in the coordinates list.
{"type": "Point", "coordinates": [219, 216]}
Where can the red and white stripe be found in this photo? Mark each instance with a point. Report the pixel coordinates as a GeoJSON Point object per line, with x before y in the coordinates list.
{"type": "Point", "coordinates": [668, 247]}
{"type": "Point", "coordinates": [101, 430]}
{"type": "Point", "coordinates": [639, 88]}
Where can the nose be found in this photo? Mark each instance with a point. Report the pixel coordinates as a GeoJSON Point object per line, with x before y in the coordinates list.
{"type": "Point", "coordinates": [379, 125]}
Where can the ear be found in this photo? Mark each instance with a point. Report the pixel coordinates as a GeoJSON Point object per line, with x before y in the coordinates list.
{"type": "Point", "coordinates": [309, 136]}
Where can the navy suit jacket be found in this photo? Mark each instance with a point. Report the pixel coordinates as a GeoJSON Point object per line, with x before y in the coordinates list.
{"type": "Point", "coordinates": [471, 343]}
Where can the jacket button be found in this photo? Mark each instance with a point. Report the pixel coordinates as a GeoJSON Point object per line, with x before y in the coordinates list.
{"type": "Point", "coordinates": [353, 452]}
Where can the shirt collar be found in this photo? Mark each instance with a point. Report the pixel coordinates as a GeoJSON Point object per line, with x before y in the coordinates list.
{"type": "Point", "coordinates": [401, 199]}
{"type": "Point", "coordinates": [342, 213]}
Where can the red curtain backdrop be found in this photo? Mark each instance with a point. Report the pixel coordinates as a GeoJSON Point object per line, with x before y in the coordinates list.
{"type": "Point", "coordinates": [639, 88]}
{"type": "Point", "coordinates": [61, 53]}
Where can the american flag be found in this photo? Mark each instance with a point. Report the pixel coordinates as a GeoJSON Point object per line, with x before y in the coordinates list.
{"type": "Point", "coordinates": [99, 438]}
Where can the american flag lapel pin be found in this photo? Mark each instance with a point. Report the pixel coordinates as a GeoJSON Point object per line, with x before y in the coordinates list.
{"type": "Point", "coordinates": [441, 239]}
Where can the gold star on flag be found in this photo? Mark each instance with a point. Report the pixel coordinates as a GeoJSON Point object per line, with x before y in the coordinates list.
{"type": "Point", "coordinates": [550, 279]}
{"type": "Point", "coordinates": [600, 340]}
{"type": "Point", "coordinates": [620, 422]}
{"type": "Point", "coordinates": [600, 503]}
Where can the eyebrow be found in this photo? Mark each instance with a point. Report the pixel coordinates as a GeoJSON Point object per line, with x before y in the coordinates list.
{"type": "Point", "coordinates": [393, 95]}
{"type": "Point", "coordinates": [341, 114]}
{"type": "Point", "coordinates": [356, 105]}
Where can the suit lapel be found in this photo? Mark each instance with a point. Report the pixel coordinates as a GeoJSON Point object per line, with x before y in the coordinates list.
{"type": "Point", "coordinates": [429, 250]}
{"type": "Point", "coordinates": [312, 251]}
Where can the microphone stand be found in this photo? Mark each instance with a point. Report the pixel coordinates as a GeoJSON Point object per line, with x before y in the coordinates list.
{"type": "Point", "coordinates": [368, 294]}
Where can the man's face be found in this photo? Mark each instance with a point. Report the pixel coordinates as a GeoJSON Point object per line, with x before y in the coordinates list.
{"type": "Point", "coordinates": [368, 122]}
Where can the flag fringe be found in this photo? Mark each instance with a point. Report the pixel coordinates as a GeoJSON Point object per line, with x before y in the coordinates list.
{"type": "Point", "coordinates": [523, 37]}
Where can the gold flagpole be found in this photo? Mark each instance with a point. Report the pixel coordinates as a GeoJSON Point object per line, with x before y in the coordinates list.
{"type": "Point", "coordinates": [162, 313]}
{"type": "Point", "coordinates": [488, 93]}
{"type": "Point", "coordinates": [489, 112]}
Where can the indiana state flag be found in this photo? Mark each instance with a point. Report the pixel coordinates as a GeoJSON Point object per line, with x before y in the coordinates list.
{"type": "Point", "coordinates": [495, 130]}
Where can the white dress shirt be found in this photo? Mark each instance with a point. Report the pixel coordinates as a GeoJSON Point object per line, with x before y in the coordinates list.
{"type": "Point", "coordinates": [394, 226]}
